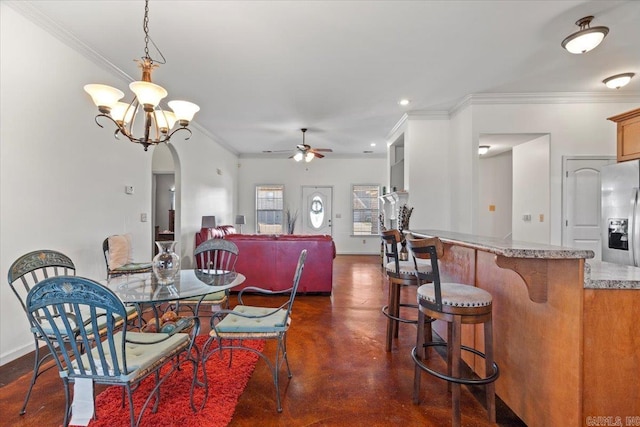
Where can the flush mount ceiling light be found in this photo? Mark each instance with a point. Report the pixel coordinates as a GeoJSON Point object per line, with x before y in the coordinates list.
{"type": "Point", "coordinates": [586, 38]}
{"type": "Point", "coordinates": [483, 149]}
{"type": "Point", "coordinates": [404, 102]}
{"type": "Point", "coordinates": [156, 122]}
{"type": "Point", "coordinates": [619, 80]}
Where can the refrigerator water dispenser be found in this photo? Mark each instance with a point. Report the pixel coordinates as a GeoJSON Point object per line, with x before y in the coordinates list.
{"type": "Point", "coordinates": [618, 234]}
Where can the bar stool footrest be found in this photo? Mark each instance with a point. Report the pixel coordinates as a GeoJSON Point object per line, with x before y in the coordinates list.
{"type": "Point", "coordinates": [385, 311]}
{"type": "Point", "coordinates": [459, 380]}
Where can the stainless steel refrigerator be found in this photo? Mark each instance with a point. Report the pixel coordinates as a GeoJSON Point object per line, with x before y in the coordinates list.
{"type": "Point", "coordinates": [621, 213]}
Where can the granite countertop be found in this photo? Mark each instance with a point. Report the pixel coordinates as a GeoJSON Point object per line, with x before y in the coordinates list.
{"type": "Point", "coordinates": [597, 274]}
{"type": "Point", "coordinates": [506, 248]}
{"type": "Point", "coordinates": [606, 275]}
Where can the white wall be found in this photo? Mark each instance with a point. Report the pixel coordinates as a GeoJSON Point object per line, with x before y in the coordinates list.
{"type": "Point", "coordinates": [340, 174]}
{"type": "Point", "coordinates": [531, 191]}
{"type": "Point", "coordinates": [573, 128]}
{"type": "Point", "coordinates": [494, 189]}
{"type": "Point", "coordinates": [427, 174]}
{"type": "Point", "coordinates": [62, 178]}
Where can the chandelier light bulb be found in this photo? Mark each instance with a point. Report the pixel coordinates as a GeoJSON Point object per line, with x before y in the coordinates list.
{"type": "Point", "coordinates": [585, 39]}
{"type": "Point", "coordinates": [618, 81]}
{"type": "Point", "coordinates": [165, 120]}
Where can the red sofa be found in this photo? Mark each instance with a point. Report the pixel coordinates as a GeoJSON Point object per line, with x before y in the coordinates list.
{"type": "Point", "coordinates": [269, 261]}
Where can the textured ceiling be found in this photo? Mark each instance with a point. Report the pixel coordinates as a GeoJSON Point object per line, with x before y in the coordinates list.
{"type": "Point", "coordinates": [261, 70]}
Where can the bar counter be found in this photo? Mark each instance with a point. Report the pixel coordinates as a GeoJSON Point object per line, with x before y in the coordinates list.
{"type": "Point", "coordinates": [564, 326]}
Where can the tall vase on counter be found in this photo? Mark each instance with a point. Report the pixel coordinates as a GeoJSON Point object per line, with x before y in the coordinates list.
{"type": "Point", "coordinates": [403, 224]}
{"type": "Point", "coordinates": [166, 263]}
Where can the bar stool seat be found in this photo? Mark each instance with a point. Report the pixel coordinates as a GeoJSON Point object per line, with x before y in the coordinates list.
{"type": "Point", "coordinates": [456, 304]}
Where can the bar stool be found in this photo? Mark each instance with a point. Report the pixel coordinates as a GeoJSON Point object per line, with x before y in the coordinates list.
{"type": "Point", "coordinates": [400, 274]}
{"type": "Point", "coordinates": [456, 304]}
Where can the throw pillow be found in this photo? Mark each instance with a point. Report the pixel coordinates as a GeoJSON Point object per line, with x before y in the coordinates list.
{"type": "Point", "coordinates": [120, 251]}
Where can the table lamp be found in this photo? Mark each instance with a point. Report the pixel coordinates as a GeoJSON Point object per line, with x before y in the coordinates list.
{"type": "Point", "coordinates": [240, 221]}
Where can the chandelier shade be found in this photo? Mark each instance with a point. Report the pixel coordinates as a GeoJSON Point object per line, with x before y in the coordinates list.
{"type": "Point", "coordinates": [148, 94]}
{"type": "Point", "coordinates": [184, 110]}
{"type": "Point", "coordinates": [586, 38]}
{"type": "Point", "coordinates": [155, 124]}
{"type": "Point", "coordinates": [105, 97]}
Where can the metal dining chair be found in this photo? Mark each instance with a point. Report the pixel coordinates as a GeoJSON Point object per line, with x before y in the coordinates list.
{"type": "Point", "coordinates": [26, 272]}
{"type": "Point", "coordinates": [122, 358]}
{"type": "Point", "coordinates": [229, 328]}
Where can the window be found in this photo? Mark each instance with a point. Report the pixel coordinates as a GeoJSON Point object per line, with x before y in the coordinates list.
{"type": "Point", "coordinates": [366, 208]}
{"type": "Point", "coordinates": [269, 208]}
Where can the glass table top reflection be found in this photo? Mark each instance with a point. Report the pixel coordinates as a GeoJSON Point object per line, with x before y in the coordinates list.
{"type": "Point", "coordinates": [140, 288]}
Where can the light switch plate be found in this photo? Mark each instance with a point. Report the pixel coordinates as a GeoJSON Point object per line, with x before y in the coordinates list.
{"type": "Point", "coordinates": [128, 189]}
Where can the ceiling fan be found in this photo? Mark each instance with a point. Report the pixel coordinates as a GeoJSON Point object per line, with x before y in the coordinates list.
{"type": "Point", "coordinates": [305, 151]}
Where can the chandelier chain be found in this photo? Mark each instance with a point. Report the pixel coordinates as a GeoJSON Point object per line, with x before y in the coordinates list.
{"type": "Point", "coordinates": [147, 38]}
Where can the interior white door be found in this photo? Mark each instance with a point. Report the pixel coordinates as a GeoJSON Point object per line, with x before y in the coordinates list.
{"type": "Point", "coordinates": [581, 227]}
{"type": "Point", "coordinates": [316, 210]}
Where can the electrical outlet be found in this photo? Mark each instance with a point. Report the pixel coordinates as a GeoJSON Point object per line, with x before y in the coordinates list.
{"type": "Point", "coordinates": [128, 189]}
{"type": "Point", "coordinates": [143, 217]}
{"type": "Point", "coordinates": [526, 217]}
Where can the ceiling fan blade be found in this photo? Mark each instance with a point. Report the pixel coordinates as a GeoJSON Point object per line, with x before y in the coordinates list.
{"type": "Point", "coordinates": [276, 151]}
{"type": "Point", "coordinates": [324, 150]}
{"type": "Point", "coordinates": [318, 155]}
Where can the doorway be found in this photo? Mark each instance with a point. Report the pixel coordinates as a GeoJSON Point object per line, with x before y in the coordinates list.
{"type": "Point", "coordinates": [165, 195]}
{"type": "Point", "coordinates": [581, 202]}
{"type": "Point", "coordinates": [317, 210]}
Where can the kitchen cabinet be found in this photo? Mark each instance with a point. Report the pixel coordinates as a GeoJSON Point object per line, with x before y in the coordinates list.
{"type": "Point", "coordinates": [628, 134]}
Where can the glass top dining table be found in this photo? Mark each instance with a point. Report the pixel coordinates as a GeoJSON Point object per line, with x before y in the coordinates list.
{"type": "Point", "coordinates": [144, 288]}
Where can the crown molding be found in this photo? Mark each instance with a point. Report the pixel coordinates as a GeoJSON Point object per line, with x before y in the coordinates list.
{"type": "Point", "coordinates": [544, 98]}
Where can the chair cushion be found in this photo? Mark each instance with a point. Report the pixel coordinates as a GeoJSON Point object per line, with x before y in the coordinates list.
{"type": "Point", "coordinates": [140, 357]}
{"type": "Point", "coordinates": [407, 267]}
{"type": "Point", "coordinates": [456, 295]}
{"type": "Point", "coordinates": [213, 297]}
{"type": "Point", "coordinates": [131, 268]}
{"type": "Point", "coordinates": [120, 251]}
{"type": "Point", "coordinates": [274, 322]}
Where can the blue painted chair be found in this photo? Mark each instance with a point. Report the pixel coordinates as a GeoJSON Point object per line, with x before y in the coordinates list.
{"type": "Point", "coordinates": [123, 358]}
{"type": "Point", "coordinates": [247, 322]}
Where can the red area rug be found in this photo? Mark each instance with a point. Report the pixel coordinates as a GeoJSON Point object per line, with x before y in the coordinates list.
{"type": "Point", "coordinates": [226, 384]}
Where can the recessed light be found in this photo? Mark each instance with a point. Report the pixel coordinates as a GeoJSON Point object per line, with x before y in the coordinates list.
{"type": "Point", "coordinates": [619, 80]}
{"type": "Point", "coordinates": [373, 144]}
{"type": "Point", "coordinates": [404, 102]}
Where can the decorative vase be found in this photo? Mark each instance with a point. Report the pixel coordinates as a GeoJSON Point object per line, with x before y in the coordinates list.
{"type": "Point", "coordinates": [166, 264]}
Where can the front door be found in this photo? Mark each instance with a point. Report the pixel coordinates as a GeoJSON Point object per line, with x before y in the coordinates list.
{"type": "Point", "coordinates": [582, 214]}
{"type": "Point", "coordinates": [316, 210]}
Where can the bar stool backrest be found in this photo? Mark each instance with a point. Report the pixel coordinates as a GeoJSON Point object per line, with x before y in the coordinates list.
{"type": "Point", "coordinates": [430, 248]}
{"type": "Point", "coordinates": [391, 239]}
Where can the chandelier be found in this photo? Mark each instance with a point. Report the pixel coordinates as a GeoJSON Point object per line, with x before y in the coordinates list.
{"type": "Point", "coordinates": [157, 124]}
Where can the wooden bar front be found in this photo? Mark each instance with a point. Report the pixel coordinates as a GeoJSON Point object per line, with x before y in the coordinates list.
{"type": "Point", "coordinates": [565, 353]}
